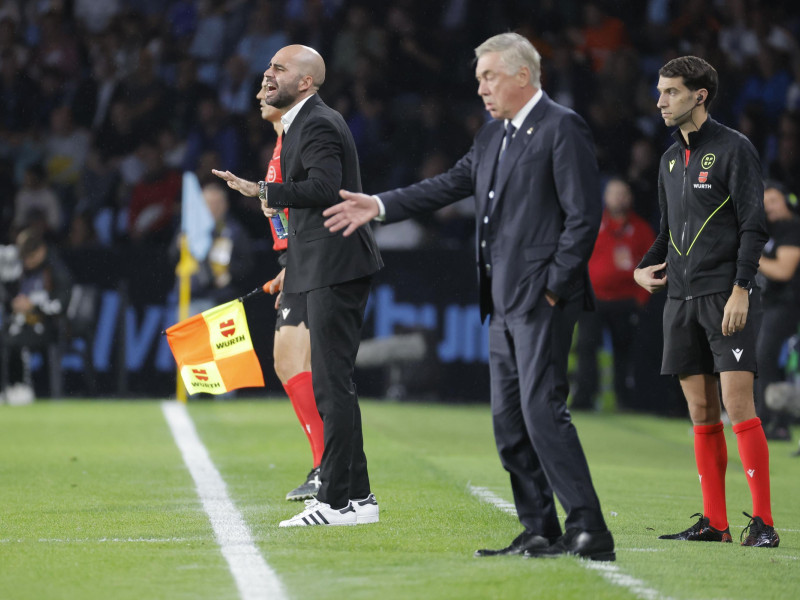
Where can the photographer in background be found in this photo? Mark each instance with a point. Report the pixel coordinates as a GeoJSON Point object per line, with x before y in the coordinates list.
{"type": "Point", "coordinates": [779, 279]}
{"type": "Point", "coordinates": [34, 305]}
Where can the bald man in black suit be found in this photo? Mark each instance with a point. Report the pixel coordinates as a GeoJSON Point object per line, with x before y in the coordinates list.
{"type": "Point", "coordinates": [318, 158]}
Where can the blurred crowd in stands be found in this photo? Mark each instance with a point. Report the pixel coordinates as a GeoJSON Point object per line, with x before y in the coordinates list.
{"type": "Point", "coordinates": [104, 103]}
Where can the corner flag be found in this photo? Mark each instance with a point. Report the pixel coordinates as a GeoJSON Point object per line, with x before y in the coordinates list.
{"type": "Point", "coordinates": [197, 222]}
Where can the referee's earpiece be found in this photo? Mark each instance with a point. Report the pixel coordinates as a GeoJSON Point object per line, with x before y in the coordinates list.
{"type": "Point", "coordinates": [699, 98]}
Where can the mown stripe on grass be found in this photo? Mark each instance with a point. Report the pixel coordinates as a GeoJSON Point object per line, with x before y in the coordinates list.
{"type": "Point", "coordinates": [254, 577]}
{"type": "Point", "coordinates": [610, 573]}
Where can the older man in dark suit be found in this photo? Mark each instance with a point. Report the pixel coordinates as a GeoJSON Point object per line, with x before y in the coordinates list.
{"type": "Point", "coordinates": [317, 159]}
{"type": "Point", "coordinates": [533, 173]}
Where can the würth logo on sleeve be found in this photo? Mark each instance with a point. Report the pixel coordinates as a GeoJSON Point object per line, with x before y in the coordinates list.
{"type": "Point", "coordinates": [200, 374]}
{"type": "Point", "coordinates": [227, 328]}
{"type": "Point", "coordinates": [703, 177]}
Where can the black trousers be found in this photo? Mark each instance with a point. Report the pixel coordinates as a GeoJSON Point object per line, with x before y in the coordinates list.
{"type": "Point", "coordinates": [778, 324]}
{"type": "Point", "coordinates": [621, 317]}
{"type": "Point", "coordinates": [335, 317]}
{"type": "Point", "coordinates": [536, 440]}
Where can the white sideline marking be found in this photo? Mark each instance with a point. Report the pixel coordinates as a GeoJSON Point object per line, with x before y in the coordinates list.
{"type": "Point", "coordinates": [254, 577]}
{"type": "Point", "coordinates": [610, 573]}
{"type": "Point", "coordinates": [173, 540]}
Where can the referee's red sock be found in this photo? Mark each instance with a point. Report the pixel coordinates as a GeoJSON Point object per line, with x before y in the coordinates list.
{"type": "Point", "coordinates": [711, 454]}
{"type": "Point", "coordinates": [301, 393]}
{"type": "Point", "coordinates": [754, 452]}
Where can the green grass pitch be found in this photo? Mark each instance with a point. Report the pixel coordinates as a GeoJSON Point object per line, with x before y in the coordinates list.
{"type": "Point", "coordinates": [96, 503]}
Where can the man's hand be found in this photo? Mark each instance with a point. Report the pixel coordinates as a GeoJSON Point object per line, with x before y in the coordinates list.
{"type": "Point", "coordinates": [355, 211]}
{"type": "Point", "coordinates": [21, 304]}
{"type": "Point", "coordinates": [647, 278]}
{"type": "Point", "coordinates": [551, 297]}
{"type": "Point", "coordinates": [244, 187]}
{"type": "Point", "coordinates": [734, 316]}
{"type": "Point", "coordinates": [276, 285]}
{"type": "Point", "coordinates": [268, 212]}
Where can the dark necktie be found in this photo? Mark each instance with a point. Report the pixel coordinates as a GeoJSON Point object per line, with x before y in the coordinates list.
{"type": "Point", "coordinates": [510, 130]}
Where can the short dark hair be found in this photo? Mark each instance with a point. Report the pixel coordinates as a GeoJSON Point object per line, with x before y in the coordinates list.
{"type": "Point", "coordinates": [696, 74]}
{"type": "Point", "coordinates": [788, 197]}
{"type": "Point", "coordinates": [29, 241]}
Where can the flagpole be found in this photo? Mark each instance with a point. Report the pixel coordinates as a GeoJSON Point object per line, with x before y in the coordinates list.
{"type": "Point", "coordinates": [186, 266]}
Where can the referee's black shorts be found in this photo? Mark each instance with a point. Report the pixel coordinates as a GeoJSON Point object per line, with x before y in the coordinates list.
{"type": "Point", "coordinates": [292, 310]}
{"type": "Point", "coordinates": [693, 340]}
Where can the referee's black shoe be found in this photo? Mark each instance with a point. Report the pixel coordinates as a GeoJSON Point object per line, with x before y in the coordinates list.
{"type": "Point", "coordinates": [307, 489]}
{"type": "Point", "coordinates": [702, 531]}
{"type": "Point", "coordinates": [524, 541]}
{"type": "Point", "coordinates": [594, 545]}
{"type": "Point", "coordinates": [759, 534]}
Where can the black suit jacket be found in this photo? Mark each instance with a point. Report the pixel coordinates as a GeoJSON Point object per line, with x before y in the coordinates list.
{"type": "Point", "coordinates": [545, 215]}
{"type": "Point", "coordinates": [318, 159]}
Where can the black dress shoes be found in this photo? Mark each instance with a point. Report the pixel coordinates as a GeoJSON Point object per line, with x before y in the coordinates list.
{"type": "Point", "coordinates": [524, 541]}
{"type": "Point", "coordinates": [594, 545]}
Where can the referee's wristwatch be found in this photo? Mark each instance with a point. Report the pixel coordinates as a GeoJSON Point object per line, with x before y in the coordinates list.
{"type": "Point", "coordinates": [743, 283]}
{"type": "Point", "coordinates": [262, 191]}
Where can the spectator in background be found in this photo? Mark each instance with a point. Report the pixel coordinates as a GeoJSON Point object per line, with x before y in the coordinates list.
{"type": "Point", "coordinates": [181, 18]}
{"type": "Point", "coordinates": [236, 88]}
{"type": "Point", "coordinates": [224, 274]}
{"type": "Point", "coordinates": [185, 96]}
{"type": "Point", "coordinates": [36, 196]}
{"type": "Point", "coordinates": [57, 48]}
{"type": "Point", "coordinates": [35, 307]}
{"type": "Point", "coordinates": [95, 15]}
{"type": "Point", "coordinates": [208, 39]}
{"type": "Point", "coordinates": [146, 95]}
{"type": "Point", "coordinates": [155, 200]}
{"type": "Point", "coordinates": [786, 166]}
{"type": "Point", "coordinates": [358, 38]}
{"type": "Point", "coordinates": [696, 22]}
{"type": "Point", "coordinates": [98, 184]}
{"type": "Point", "coordinates": [737, 37]}
{"type": "Point", "coordinates": [9, 40]}
{"type": "Point", "coordinates": [413, 53]}
{"type": "Point", "coordinates": [600, 37]}
{"type": "Point", "coordinates": [212, 132]}
{"type": "Point", "coordinates": [18, 94]}
{"type": "Point", "coordinates": [117, 137]}
{"type": "Point", "coordinates": [65, 149]}
{"type": "Point", "coordinates": [263, 39]}
{"type": "Point", "coordinates": [567, 76]}
{"type": "Point", "coordinates": [641, 177]}
{"type": "Point", "coordinates": [779, 279]}
{"type": "Point", "coordinates": [623, 240]}
{"type": "Point", "coordinates": [768, 87]}
{"type": "Point", "coordinates": [95, 93]}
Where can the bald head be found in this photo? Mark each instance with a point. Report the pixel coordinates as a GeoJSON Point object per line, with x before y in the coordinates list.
{"type": "Point", "coordinates": [309, 62]}
{"type": "Point", "coordinates": [295, 73]}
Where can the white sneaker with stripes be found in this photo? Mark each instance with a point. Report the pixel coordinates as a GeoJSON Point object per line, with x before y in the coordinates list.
{"type": "Point", "coordinates": [367, 510]}
{"type": "Point", "coordinates": [319, 513]}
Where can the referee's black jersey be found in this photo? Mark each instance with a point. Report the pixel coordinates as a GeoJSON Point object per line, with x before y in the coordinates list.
{"type": "Point", "coordinates": [711, 198]}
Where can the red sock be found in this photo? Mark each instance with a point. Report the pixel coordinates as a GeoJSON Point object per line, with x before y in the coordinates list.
{"type": "Point", "coordinates": [711, 454]}
{"type": "Point", "coordinates": [301, 393]}
{"type": "Point", "coordinates": [754, 452]}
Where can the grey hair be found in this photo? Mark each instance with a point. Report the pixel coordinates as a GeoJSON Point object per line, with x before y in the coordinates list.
{"type": "Point", "coordinates": [515, 52]}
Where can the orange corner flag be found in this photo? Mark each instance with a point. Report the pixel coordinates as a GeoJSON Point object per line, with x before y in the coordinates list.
{"type": "Point", "coordinates": [214, 350]}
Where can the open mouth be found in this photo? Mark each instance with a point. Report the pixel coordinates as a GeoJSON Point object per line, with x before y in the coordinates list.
{"type": "Point", "coordinates": [271, 87]}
